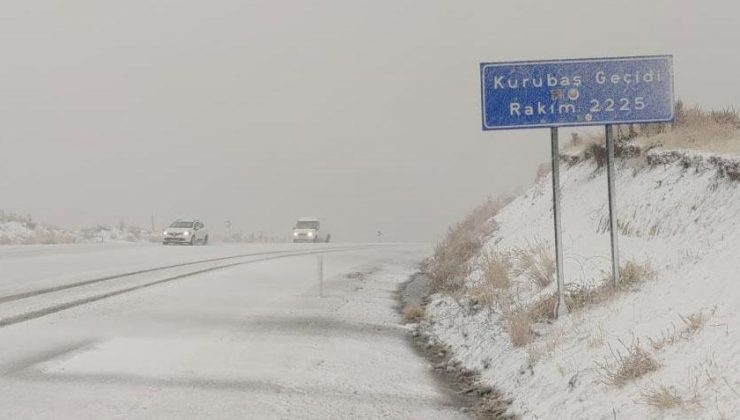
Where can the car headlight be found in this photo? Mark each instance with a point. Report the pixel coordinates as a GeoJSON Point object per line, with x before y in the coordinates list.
{"type": "Point", "coordinates": [295, 233]}
{"type": "Point", "coordinates": [186, 233]}
{"type": "Point", "coordinates": [310, 234]}
{"type": "Point", "coordinates": [164, 233]}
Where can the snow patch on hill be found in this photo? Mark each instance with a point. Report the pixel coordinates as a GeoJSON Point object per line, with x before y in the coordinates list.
{"type": "Point", "coordinates": [16, 229]}
{"type": "Point", "coordinates": [678, 212]}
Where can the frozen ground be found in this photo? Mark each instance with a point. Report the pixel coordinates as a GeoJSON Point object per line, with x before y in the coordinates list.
{"type": "Point", "coordinates": [679, 215]}
{"type": "Point", "coordinates": [249, 341]}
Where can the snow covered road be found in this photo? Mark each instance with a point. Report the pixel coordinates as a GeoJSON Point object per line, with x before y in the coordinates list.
{"type": "Point", "coordinates": [245, 337]}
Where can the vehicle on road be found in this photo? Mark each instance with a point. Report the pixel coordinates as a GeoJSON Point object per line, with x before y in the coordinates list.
{"type": "Point", "coordinates": [187, 232]}
{"type": "Point", "coordinates": [306, 229]}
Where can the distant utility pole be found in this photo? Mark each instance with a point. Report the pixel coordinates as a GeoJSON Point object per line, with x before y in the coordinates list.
{"type": "Point", "coordinates": [380, 236]}
{"type": "Point", "coordinates": [228, 227]}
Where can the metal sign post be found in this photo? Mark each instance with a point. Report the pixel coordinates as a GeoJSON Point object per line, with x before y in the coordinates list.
{"type": "Point", "coordinates": [560, 307]}
{"type": "Point", "coordinates": [613, 228]}
{"type": "Point", "coordinates": [577, 92]}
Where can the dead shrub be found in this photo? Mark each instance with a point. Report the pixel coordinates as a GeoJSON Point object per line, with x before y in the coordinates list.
{"type": "Point", "coordinates": [665, 397]}
{"type": "Point", "coordinates": [536, 263]}
{"type": "Point", "coordinates": [597, 152]}
{"type": "Point", "coordinates": [492, 405]}
{"type": "Point", "coordinates": [413, 313]}
{"type": "Point", "coordinates": [451, 261]}
{"type": "Point", "coordinates": [628, 364]}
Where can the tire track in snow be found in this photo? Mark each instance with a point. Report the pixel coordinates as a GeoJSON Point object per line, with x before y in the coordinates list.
{"type": "Point", "coordinates": [33, 293]}
{"type": "Point", "coordinates": [27, 316]}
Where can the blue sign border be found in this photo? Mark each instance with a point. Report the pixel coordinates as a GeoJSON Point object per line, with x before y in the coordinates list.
{"type": "Point", "coordinates": [483, 66]}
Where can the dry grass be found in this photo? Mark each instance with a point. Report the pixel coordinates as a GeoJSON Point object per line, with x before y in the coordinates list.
{"type": "Point", "coordinates": [665, 397]}
{"type": "Point", "coordinates": [662, 397]}
{"type": "Point", "coordinates": [519, 325]}
{"type": "Point", "coordinates": [696, 321]}
{"type": "Point", "coordinates": [710, 131]}
{"type": "Point", "coordinates": [536, 263]}
{"type": "Point", "coordinates": [519, 319]}
{"type": "Point", "coordinates": [543, 309]}
{"type": "Point", "coordinates": [691, 325]}
{"type": "Point", "coordinates": [715, 131]}
{"type": "Point", "coordinates": [413, 313]}
{"type": "Point", "coordinates": [495, 268]}
{"type": "Point", "coordinates": [451, 261]}
{"type": "Point", "coordinates": [597, 338]}
{"type": "Point", "coordinates": [634, 273]}
{"type": "Point", "coordinates": [627, 364]}
{"type": "Point", "coordinates": [546, 346]}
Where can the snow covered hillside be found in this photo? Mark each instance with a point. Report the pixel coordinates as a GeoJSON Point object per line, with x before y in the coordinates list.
{"type": "Point", "coordinates": [16, 229]}
{"type": "Point", "coordinates": [666, 345]}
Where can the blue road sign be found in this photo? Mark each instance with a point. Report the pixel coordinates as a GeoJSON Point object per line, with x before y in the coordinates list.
{"type": "Point", "coordinates": [557, 93]}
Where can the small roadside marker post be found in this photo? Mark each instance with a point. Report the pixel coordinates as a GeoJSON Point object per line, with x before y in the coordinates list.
{"type": "Point", "coordinates": [320, 274]}
{"type": "Point", "coordinates": [577, 92]}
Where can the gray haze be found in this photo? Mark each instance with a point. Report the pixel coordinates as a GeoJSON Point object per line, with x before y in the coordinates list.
{"type": "Point", "coordinates": [366, 113]}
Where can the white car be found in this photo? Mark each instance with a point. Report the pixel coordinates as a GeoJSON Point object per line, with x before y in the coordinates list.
{"type": "Point", "coordinates": [190, 232]}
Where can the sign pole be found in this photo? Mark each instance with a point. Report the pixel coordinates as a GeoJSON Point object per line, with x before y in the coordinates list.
{"type": "Point", "coordinates": [560, 307]}
{"type": "Point", "coordinates": [613, 229]}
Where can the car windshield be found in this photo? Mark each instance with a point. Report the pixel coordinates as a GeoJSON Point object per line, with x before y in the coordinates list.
{"type": "Point", "coordinates": [307, 224]}
{"type": "Point", "coordinates": [181, 224]}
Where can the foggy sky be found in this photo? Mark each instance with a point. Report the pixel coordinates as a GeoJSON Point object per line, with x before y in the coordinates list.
{"type": "Point", "coordinates": [365, 113]}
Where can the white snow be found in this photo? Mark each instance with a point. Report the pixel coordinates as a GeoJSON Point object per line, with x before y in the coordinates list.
{"type": "Point", "coordinates": [252, 341]}
{"type": "Point", "coordinates": [16, 229]}
{"type": "Point", "coordinates": [680, 218]}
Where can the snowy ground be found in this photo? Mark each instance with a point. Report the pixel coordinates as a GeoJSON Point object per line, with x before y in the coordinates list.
{"type": "Point", "coordinates": [249, 341]}
{"type": "Point", "coordinates": [682, 219]}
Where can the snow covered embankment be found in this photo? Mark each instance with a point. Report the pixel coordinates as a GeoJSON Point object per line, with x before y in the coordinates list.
{"type": "Point", "coordinates": [678, 214]}
{"type": "Point", "coordinates": [22, 230]}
